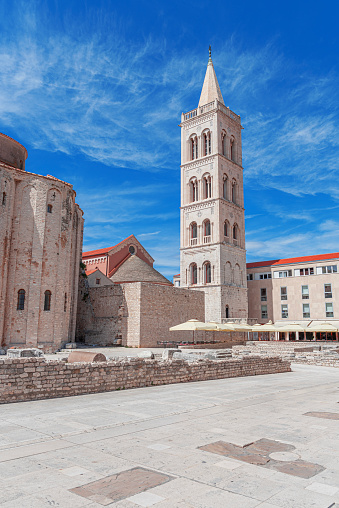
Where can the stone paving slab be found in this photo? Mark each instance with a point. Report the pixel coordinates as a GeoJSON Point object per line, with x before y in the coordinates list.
{"type": "Point", "coordinates": [58, 445]}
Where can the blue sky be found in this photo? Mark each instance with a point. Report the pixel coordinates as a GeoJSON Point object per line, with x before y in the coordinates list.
{"type": "Point", "coordinates": [95, 89]}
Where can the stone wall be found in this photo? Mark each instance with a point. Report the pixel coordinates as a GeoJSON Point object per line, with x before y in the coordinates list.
{"type": "Point", "coordinates": [25, 379]}
{"type": "Point", "coordinates": [312, 353]}
{"type": "Point", "coordinates": [139, 312]}
{"type": "Point", "coordinates": [152, 309]}
{"type": "Point", "coordinates": [98, 316]}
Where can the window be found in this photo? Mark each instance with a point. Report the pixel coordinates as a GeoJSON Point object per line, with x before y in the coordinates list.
{"type": "Point", "coordinates": [65, 302]}
{"type": "Point", "coordinates": [194, 274]}
{"type": "Point", "coordinates": [328, 290]}
{"type": "Point", "coordinates": [223, 144]}
{"type": "Point", "coordinates": [98, 281]}
{"type": "Point", "coordinates": [194, 233]}
{"type": "Point", "coordinates": [4, 198]}
{"type": "Point", "coordinates": [207, 143]}
{"type": "Point", "coordinates": [234, 192]}
{"type": "Point", "coordinates": [235, 234]}
{"type": "Point", "coordinates": [306, 310]}
{"type": "Point", "coordinates": [284, 311]}
{"type": "Point", "coordinates": [264, 314]}
{"type": "Point", "coordinates": [264, 276]}
{"type": "Point", "coordinates": [329, 309]}
{"type": "Point", "coordinates": [49, 208]}
{"type": "Point", "coordinates": [226, 227]}
{"type": "Point", "coordinates": [194, 147]}
{"type": "Point", "coordinates": [131, 250]}
{"type": "Point", "coordinates": [207, 231]}
{"type": "Point", "coordinates": [207, 187]}
{"type": "Point", "coordinates": [250, 276]}
{"type": "Point", "coordinates": [47, 302]}
{"type": "Point", "coordinates": [227, 312]}
{"type": "Point", "coordinates": [285, 273]}
{"type": "Point", "coordinates": [207, 273]}
{"type": "Point", "coordinates": [305, 271]}
{"type": "Point", "coordinates": [304, 293]}
{"type": "Point", "coordinates": [224, 187]}
{"type": "Point", "coordinates": [21, 299]}
{"type": "Point", "coordinates": [283, 293]}
{"type": "Point", "coordinates": [232, 151]}
{"type": "Point", "coordinates": [327, 269]}
{"type": "Point", "coordinates": [194, 189]}
{"type": "Point", "coordinates": [263, 294]}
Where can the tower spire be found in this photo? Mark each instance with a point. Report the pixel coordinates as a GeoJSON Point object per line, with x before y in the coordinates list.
{"type": "Point", "coordinates": [210, 90]}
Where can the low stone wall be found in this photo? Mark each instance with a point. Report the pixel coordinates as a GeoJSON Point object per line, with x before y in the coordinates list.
{"type": "Point", "coordinates": [319, 353]}
{"type": "Point", "coordinates": [23, 379]}
{"type": "Point", "coordinates": [216, 345]}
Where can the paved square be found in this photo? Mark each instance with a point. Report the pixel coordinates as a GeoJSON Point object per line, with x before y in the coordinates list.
{"type": "Point", "coordinates": [51, 449]}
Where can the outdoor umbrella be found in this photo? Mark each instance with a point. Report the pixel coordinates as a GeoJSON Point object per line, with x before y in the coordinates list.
{"type": "Point", "coordinates": [238, 327]}
{"type": "Point", "coordinates": [221, 327]}
{"type": "Point", "coordinates": [267, 327]}
{"type": "Point", "coordinates": [291, 327]}
{"type": "Point", "coordinates": [194, 325]}
{"type": "Point", "coordinates": [321, 326]}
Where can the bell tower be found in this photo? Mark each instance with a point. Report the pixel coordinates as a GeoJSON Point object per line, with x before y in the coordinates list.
{"type": "Point", "coordinates": [212, 223]}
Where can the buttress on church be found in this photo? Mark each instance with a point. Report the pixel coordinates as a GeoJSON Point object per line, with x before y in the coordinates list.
{"type": "Point", "coordinates": [47, 300]}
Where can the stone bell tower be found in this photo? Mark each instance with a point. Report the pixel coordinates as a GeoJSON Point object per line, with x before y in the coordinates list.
{"type": "Point", "coordinates": [212, 239]}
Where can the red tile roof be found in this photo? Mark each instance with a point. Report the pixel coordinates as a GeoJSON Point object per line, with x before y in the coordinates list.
{"type": "Point", "coordinates": [92, 271]}
{"type": "Point", "coordinates": [286, 261]}
{"type": "Point", "coordinates": [178, 275]}
{"type": "Point", "coordinates": [99, 252]}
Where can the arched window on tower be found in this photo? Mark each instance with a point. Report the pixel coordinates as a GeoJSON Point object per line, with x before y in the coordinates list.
{"type": "Point", "coordinates": [194, 147]}
{"type": "Point", "coordinates": [193, 273]}
{"type": "Point", "coordinates": [4, 198]}
{"type": "Point", "coordinates": [21, 299]}
{"type": "Point", "coordinates": [194, 189]}
{"type": "Point", "coordinates": [207, 183]}
{"type": "Point", "coordinates": [226, 230]}
{"type": "Point", "coordinates": [207, 231]}
{"type": "Point", "coordinates": [194, 233]}
{"type": "Point", "coordinates": [223, 143]}
{"type": "Point", "coordinates": [234, 192]}
{"type": "Point", "coordinates": [47, 300]}
{"type": "Point", "coordinates": [207, 143]}
{"type": "Point", "coordinates": [235, 234]}
{"type": "Point", "coordinates": [227, 312]}
{"type": "Point", "coordinates": [207, 273]}
{"type": "Point", "coordinates": [225, 187]}
{"type": "Point", "coordinates": [232, 149]}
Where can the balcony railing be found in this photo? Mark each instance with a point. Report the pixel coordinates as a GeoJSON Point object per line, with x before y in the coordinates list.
{"type": "Point", "coordinates": [207, 239]}
{"type": "Point", "coordinates": [194, 241]}
{"type": "Point", "coordinates": [208, 107]}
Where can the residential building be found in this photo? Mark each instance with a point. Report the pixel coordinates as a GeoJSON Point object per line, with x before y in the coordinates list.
{"type": "Point", "coordinates": [303, 289]}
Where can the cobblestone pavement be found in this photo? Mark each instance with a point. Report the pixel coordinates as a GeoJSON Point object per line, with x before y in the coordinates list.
{"type": "Point", "coordinates": [149, 446]}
